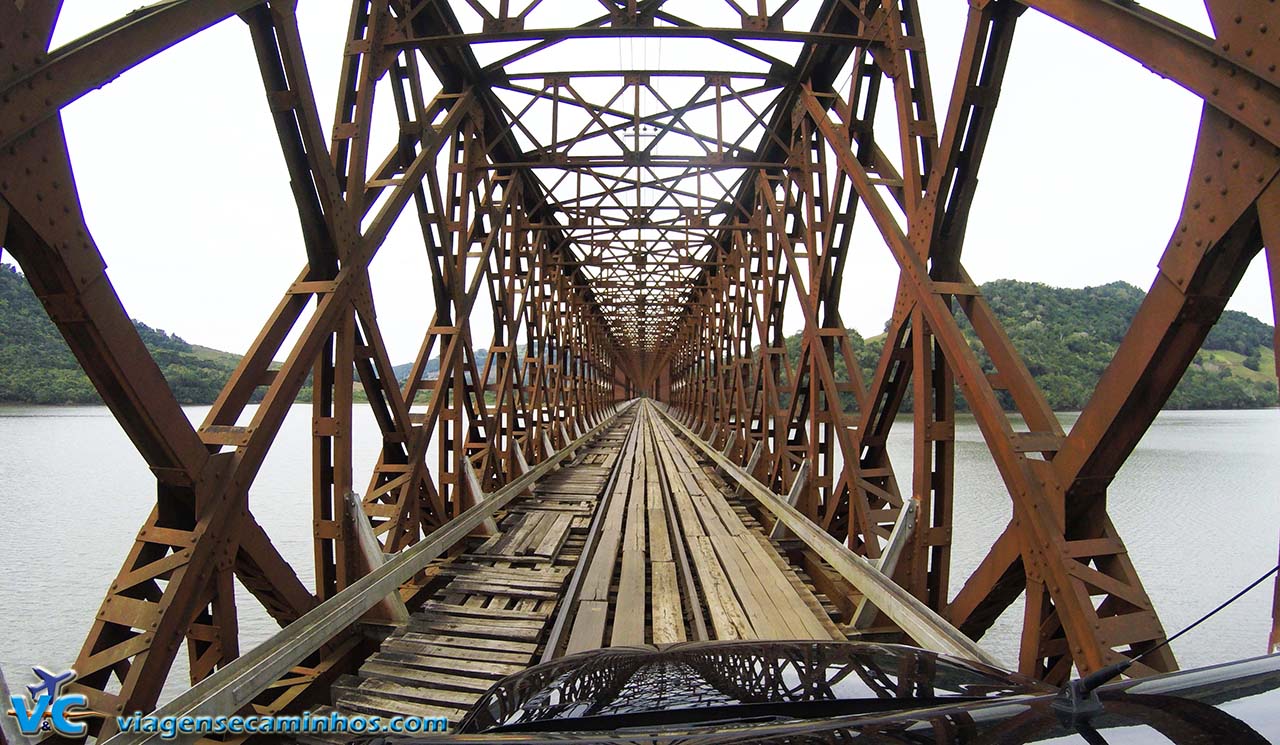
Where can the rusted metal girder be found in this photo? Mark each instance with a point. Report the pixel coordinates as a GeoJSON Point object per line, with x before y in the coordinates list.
{"type": "Point", "coordinates": [627, 230]}
{"type": "Point", "coordinates": [176, 583]}
{"type": "Point", "coordinates": [1061, 548]}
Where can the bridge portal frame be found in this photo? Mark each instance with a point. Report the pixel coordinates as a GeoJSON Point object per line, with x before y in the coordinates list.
{"type": "Point", "coordinates": [488, 231]}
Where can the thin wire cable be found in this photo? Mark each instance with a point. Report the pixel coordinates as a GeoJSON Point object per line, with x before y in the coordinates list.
{"type": "Point", "coordinates": [1211, 613]}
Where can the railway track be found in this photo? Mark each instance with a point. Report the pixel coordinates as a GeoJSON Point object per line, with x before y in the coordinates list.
{"type": "Point", "coordinates": [635, 541]}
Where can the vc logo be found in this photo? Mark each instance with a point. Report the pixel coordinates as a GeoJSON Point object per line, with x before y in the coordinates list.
{"type": "Point", "coordinates": [51, 708]}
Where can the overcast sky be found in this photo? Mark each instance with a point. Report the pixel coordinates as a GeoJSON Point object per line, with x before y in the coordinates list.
{"type": "Point", "coordinates": [184, 187]}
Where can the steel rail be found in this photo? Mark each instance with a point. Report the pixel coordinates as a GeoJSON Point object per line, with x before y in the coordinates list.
{"type": "Point", "coordinates": [570, 596]}
{"type": "Point", "coordinates": [234, 686]}
{"type": "Point", "coordinates": [915, 618]}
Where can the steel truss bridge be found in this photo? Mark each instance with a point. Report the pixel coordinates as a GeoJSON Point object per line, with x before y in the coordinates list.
{"type": "Point", "coordinates": [627, 234]}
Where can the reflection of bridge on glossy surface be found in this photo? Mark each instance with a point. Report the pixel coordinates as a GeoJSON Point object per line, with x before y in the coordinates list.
{"type": "Point", "coordinates": [628, 687]}
{"type": "Point", "coordinates": [634, 233]}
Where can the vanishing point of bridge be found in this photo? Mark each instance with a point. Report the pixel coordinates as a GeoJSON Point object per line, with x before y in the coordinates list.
{"type": "Point", "coordinates": [637, 459]}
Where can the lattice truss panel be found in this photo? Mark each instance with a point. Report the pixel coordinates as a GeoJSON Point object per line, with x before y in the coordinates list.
{"type": "Point", "coordinates": [640, 194]}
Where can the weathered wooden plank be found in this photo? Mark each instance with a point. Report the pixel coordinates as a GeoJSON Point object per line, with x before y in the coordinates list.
{"type": "Point", "coordinates": [789, 573]}
{"type": "Point", "coordinates": [473, 627]}
{"type": "Point", "coordinates": [389, 693]}
{"type": "Point", "coordinates": [477, 587]}
{"type": "Point", "coordinates": [534, 528]}
{"type": "Point", "coordinates": [553, 539]}
{"type": "Point", "coordinates": [511, 528]}
{"type": "Point", "coordinates": [800, 619]}
{"type": "Point", "coordinates": [588, 626]}
{"type": "Point", "coordinates": [690, 524]}
{"type": "Point", "coordinates": [628, 615]}
{"type": "Point", "coordinates": [553, 500]}
{"type": "Point", "coordinates": [420, 678]}
{"type": "Point", "coordinates": [599, 577]}
{"type": "Point", "coordinates": [727, 617]}
{"type": "Point", "coordinates": [667, 611]}
{"type": "Point", "coordinates": [548, 577]}
{"type": "Point", "coordinates": [477, 668]}
{"type": "Point", "coordinates": [418, 647]}
{"type": "Point", "coordinates": [635, 529]}
{"type": "Point", "coordinates": [363, 703]}
{"type": "Point", "coordinates": [701, 485]}
{"type": "Point", "coordinates": [485, 616]}
{"type": "Point", "coordinates": [768, 615]}
{"type": "Point", "coordinates": [659, 535]}
{"type": "Point", "coordinates": [584, 489]}
{"type": "Point", "coordinates": [468, 642]}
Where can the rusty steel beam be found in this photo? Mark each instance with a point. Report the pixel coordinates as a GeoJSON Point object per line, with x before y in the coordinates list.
{"type": "Point", "coordinates": [1058, 571]}
{"type": "Point", "coordinates": [39, 91]}
{"type": "Point", "coordinates": [1234, 73]}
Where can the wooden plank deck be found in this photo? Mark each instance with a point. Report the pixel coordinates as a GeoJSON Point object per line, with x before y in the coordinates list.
{"type": "Point", "coordinates": [675, 557]}
{"type": "Point", "coordinates": [494, 605]}
{"type": "Point", "coordinates": [667, 508]}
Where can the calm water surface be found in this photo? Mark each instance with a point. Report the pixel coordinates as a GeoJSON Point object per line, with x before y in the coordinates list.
{"type": "Point", "coordinates": [1196, 503]}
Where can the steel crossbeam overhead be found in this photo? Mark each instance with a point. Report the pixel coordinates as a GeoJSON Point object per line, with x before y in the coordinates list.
{"type": "Point", "coordinates": [604, 232]}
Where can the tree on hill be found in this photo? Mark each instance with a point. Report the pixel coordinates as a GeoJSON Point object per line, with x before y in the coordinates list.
{"type": "Point", "coordinates": [1067, 337]}
{"type": "Point", "coordinates": [37, 367]}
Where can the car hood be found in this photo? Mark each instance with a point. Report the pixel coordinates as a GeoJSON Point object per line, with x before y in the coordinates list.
{"type": "Point", "coordinates": [733, 681]}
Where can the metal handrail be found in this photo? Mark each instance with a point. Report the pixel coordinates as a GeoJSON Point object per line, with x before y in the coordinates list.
{"type": "Point", "coordinates": [918, 620]}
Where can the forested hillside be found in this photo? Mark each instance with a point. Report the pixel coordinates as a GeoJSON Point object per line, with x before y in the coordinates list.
{"type": "Point", "coordinates": [1068, 336]}
{"type": "Point", "coordinates": [37, 367]}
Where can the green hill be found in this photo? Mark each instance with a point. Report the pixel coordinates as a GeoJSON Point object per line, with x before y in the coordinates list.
{"type": "Point", "coordinates": [1068, 336]}
{"type": "Point", "coordinates": [37, 367]}
{"type": "Point", "coordinates": [433, 365]}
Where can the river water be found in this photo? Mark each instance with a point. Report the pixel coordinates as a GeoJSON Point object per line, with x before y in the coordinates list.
{"type": "Point", "coordinates": [1196, 504]}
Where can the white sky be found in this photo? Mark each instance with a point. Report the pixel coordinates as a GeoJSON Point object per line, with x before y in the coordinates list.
{"type": "Point", "coordinates": [183, 185]}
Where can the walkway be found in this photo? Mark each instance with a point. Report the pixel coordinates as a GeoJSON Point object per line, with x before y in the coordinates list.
{"type": "Point", "coordinates": [671, 556]}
